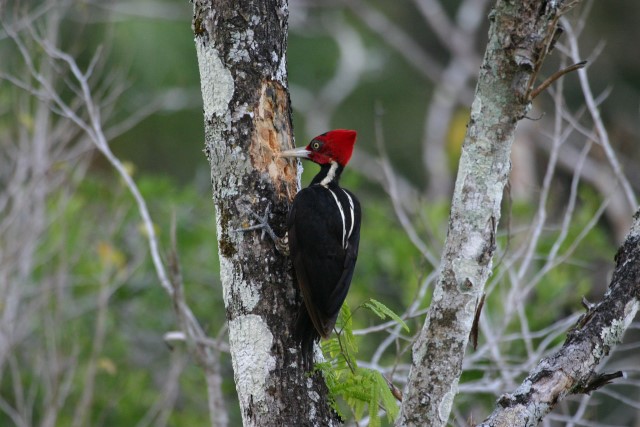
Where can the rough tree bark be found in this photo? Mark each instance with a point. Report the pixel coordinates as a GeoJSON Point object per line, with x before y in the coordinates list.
{"type": "Point", "coordinates": [519, 37]}
{"type": "Point", "coordinates": [241, 49]}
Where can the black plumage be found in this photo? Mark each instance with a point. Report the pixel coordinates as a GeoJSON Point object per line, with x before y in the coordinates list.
{"type": "Point", "coordinates": [323, 254]}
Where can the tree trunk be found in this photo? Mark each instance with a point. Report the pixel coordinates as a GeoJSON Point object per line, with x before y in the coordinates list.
{"type": "Point", "coordinates": [519, 37]}
{"type": "Point", "coordinates": [241, 49]}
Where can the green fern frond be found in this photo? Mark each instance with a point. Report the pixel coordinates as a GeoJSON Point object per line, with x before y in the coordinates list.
{"type": "Point", "coordinates": [382, 311]}
{"type": "Point", "coordinates": [362, 389]}
{"type": "Point", "coordinates": [386, 397]}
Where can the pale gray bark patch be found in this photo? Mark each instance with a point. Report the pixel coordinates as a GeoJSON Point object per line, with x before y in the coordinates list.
{"type": "Point", "coordinates": [216, 81]}
{"type": "Point", "coordinates": [253, 361]}
{"type": "Point", "coordinates": [247, 294]}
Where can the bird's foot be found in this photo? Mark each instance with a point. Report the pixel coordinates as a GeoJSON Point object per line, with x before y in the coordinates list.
{"type": "Point", "coordinates": [281, 243]}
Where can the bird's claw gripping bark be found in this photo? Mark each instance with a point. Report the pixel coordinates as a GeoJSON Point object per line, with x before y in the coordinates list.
{"type": "Point", "coordinates": [263, 223]}
{"type": "Point", "coordinates": [281, 243]}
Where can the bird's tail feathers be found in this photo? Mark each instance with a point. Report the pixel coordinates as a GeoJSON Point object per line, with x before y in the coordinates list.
{"type": "Point", "coordinates": [306, 335]}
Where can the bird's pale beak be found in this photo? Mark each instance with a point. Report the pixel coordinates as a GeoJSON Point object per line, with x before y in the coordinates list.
{"type": "Point", "coordinates": [301, 152]}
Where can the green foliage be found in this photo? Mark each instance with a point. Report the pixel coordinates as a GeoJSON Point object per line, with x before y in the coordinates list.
{"type": "Point", "coordinates": [382, 311]}
{"type": "Point", "coordinates": [361, 389]}
{"type": "Point", "coordinates": [95, 245]}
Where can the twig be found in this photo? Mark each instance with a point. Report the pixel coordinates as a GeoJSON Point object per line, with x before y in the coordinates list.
{"type": "Point", "coordinates": [389, 174]}
{"type": "Point", "coordinates": [599, 124]}
{"type": "Point", "coordinates": [555, 76]}
{"type": "Point", "coordinates": [476, 319]}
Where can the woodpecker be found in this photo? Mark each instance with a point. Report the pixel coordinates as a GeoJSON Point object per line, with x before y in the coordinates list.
{"type": "Point", "coordinates": [323, 230]}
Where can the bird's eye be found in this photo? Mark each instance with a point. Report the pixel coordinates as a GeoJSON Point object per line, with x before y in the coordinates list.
{"type": "Point", "coordinates": [315, 145]}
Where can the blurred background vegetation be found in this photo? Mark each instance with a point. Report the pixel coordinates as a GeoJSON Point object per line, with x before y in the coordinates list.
{"type": "Point", "coordinates": [83, 319]}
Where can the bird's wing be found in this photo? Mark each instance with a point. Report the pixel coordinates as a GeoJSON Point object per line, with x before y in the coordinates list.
{"type": "Point", "coordinates": [323, 267]}
{"type": "Point", "coordinates": [351, 255]}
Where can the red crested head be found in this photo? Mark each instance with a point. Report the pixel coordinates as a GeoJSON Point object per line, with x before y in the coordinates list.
{"type": "Point", "coordinates": [335, 145]}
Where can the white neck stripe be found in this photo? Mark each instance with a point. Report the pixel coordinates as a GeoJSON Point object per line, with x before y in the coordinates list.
{"type": "Point", "coordinates": [330, 175]}
{"type": "Point", "coordinates": [352, 217]}
{"type": "Point", "coordinates": [344, 226]}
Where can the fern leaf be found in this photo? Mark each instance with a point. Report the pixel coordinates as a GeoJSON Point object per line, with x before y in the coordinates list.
{"type": "Point", "coordinates": [382, 311]}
